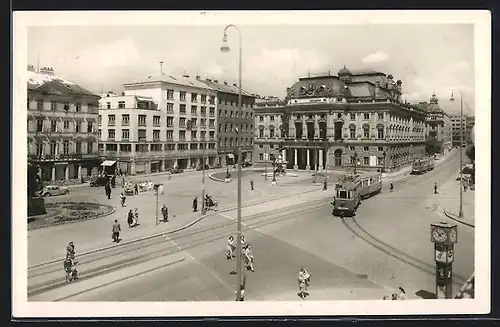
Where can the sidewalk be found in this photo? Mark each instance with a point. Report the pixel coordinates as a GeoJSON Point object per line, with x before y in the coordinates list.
{"type": "Point", "coordinates": [449, 202]}
{"type": "Point", "coordinates": [330, 294]}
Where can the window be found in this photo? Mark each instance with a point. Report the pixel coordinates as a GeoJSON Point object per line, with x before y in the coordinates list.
{"type": "Point", "coordinates": [111, 120]}
{"type": "Point", "coordinates": [366, 116]}
{"type": "Point", "coordinates": [211, 135]}
{"type": "Point", "coordinates": [193, 146]}
{"type": "Point", "coordinates": [78, 147]}
{"type": "Point", "coordinates": [194, 121]}
{"type": "Point", "coordinates": [99, 119]}
{"type": "Point", "coordinates": [53, 148]}
{"type": "Point", "coordinates": [156, 120]}
{"type": "Point", "coordinates": [193, 110]}
{"type": "Point", "coordinates": [261, 118]}
{"type": "Point", "coordinates": [142, 120]}
{"type": "Point", "coordinates": [225, 128]}
{"type": "Point", "coordinates": [182, 135]}
{"type": "Point", "coordinates": [156, 134]}
{"type": "Point", "coordinates": [39, 125]}
{"type": "Point", "coordinates": [108, 105]}
{"type": "Point", "coordinates": [220, 114]}
{"type": "Point", "coordinates": [366, 148]}
{"type": "Point", "coordinates": [380, 115]}
{"type": "Point", "coordinates": [194, 97]}
{"type": "Point", "coordinates": [182, 96]}
{"type": "Point", "coordinates": [121, 104]}
{"type": "Point", "coordinates": [203, 135]}
{"type": "Point", "coordinates": [170, 135]}
{"type": "Point", "coordinates": [352, 148]}
{"type": "Point", "coordinates": [90, 127]}
{"type": "Point", "coordinates": [220, 128]}
{"type": "Point", "coordinates": [53, 106]}
{"type": "Point", "coordinates": [182, 122]}
{"type": "Point", "coordinates": [212, 112]}
{"type": "Point", "coordinates": [261, 156]}
{"type": "Point", "coordinates": [353, 116]}
{"type": "Point", "coordinates": [212, 99]}
{"type": "Point", "coordinates": [53, 126]}
{"type": "Point", "coordinates": [211, 123]}
{"type": "Point", "coordinates": [141, 134]}
{"type": "Point", "coordinates": [170, 94]}
{"type": "Point", "coordinates": [66, 147]}
{"type": "Point", "coordinates": [78, 126]}
{"type": "Point", "coordinates": [39, 149]}
{"type": "Point", "coordinates": [125, 120]}
{"type": "Point", "coordinates": [193, 135]}
{"type": "Point", "coordinates": [99, 133]}
{"type": "Point", "coordinates": [203, 123]}
{"type": "Point", "coordinates": [126, 147]}
{"type": "Point", "coordinates": [170, 121]}
{"type": "Point", "coordinates": [226, 114]}
{"type": "Point", "coordinates": [90, 147]}
{"type": "Point", "coordinates": [66, 125]}
{"type": "Point", "coordinates": [125, 134]}
{"type": "Point", "coordinates": [261, 133]}
{"type": "Point", "coordinates": [352, 132]}
{"type": "Point", "coordinates": [90, 107]}
{"type": "Point", "coordinates": [380, 161]}
{"type": "Point", "coordinates": [366, 161]}
{"type": "Point", "coordinates": [271, 132]}
{"type": "Point", "coordinates": [231, 114]}
{"type": "Point", "coordinates": [203, 111]}
{"type": "Point", "coordinates": [380, 132]}
{"type": "Point", "coordinates": [66, 106]}
{"type": "Point", "coordinates": [380, 149]}
{"type": "Point", "coordinates": [39, 105]}
{"type": "Point", "coordinates": [203, 98]}
{"type": "Point", "coordinates": [182, 109]}
{"type": "Point", "coordinates": [366, 131]}
{"type": "Point", "coordinates": [182, 147]}
{"type": "Point", "coordinates": [111, 134]}
{"type": "Point", "coordinates": [272, 118]}
{"type": "Point", "coordinates": [78, 107]}
{"type": "Point", "coordinates": [170, 107]}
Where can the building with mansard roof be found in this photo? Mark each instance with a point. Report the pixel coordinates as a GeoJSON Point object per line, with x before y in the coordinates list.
{"type": "Point", "coordinates": [62, 126]}
{"type": "Point", "coordinates": [336, 121]}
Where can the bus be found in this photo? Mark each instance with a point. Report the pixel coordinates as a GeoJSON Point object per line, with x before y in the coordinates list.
{"type": "Point", "coordinates": [352, 189]}
{"type": "Point", "coordinates": [422, 165]}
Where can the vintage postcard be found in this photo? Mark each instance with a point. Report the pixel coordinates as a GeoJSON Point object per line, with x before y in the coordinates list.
{"type": "Point", "coordinates": [251, 163]}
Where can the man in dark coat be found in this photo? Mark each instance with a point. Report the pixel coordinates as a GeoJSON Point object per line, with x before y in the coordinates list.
{"type": "Point", "coordinates": [195, 204]}
{"type": "Point", "coordinates": [116, 231]}
{"type": "Point", "coordinates": [164, 212]}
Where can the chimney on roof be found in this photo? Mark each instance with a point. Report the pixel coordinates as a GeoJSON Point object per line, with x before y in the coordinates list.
{"type": "Point", "coordinates": [123, 93]}
{"type": "Point", "coordinates": [235, 85]}
{"type": "Point", "coordinates": [209, 80]}
{"type": "Point", "coordinates": [185, 75]}
{"type": "Point", "coordinates": [198, 77]}
{"type": "Point", "coordinates": [225, 82]}
{"type": "Point", "coordinates": [216, 81]}
{"type": "Point", "coordinates": [399, 83]}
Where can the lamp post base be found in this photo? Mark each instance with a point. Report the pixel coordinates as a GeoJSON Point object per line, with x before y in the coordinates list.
{"type": "Point", "coordinates": [296, 167]}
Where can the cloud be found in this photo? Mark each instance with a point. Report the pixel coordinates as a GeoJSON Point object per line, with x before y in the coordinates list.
{"type": "Point", "coordinates": [375, 57]}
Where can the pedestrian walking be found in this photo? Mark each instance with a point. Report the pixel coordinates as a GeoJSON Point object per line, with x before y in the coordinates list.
{"type": "Point", "coordinates": [435, 188]}
{"type": "Point", "coordinates": [136, 216]}
{"type": "Point", "coordinates": [116, 231]}
{"type": "Point", "coordinates": [136, 189]}
{"type": "Point", "coordinates": [160, 189]}
{"type": "Point", "coordinates": [402, 294]}
{"type": "Point", "coordinates": [107, 189]}
{"type": "Point", "coordinates": [130, 218]}
{"type": "Point", "coordinates": [164, 212]}
{"type": "Point", "coordinates": [251, 184]}
{"type": "Point", "coordinates": [195, 204]}
{"type": "Point", "coordinates": [304, 279]}
{"type": "Point", "coordinates": [325, 185]}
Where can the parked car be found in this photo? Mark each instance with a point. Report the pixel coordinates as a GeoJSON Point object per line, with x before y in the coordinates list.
{"type": "Point", "coordinates": [176, 170]}
{"type": "Point", "coordinates": [246, 164]}
{"type": "Point", "coordinates": [51, 190]}
{"type": "Point", "coordinates": [199, 167]}
{"type": "Point", "coordinates": [99, 181]}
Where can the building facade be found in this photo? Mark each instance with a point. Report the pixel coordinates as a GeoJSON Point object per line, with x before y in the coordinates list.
{"type": "Point", "coordinates": [438, 123]}
{"type": "Point", "coordinates": [159, 123]}
{"type": "Point", "coordinates": [343, 120]}
{"type": "Point", "coordinates": [467, 125]}
{"type": "Point", "coordinates": [62, 127]}
{"type": "Point", "coordinates": [231, 125]}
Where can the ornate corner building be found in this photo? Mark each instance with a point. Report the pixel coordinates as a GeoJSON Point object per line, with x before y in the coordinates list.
{"type": "Point", "coordinates": [62, 127]}
{"type": "Point", "coordinates": [438, 123]}
{"type": "Point", "coordinates": [334, 121]}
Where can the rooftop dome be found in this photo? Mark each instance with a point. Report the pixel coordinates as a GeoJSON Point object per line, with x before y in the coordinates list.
{"type": "Point", "coordinates": [434, 98]}
{"type": "Point", "coordinates": [344, 72]}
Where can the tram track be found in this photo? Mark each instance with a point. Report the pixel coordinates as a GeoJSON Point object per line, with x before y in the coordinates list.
{"type": "Point", "coordinates": [354, 227]}
{"type": "Point", "coordinates": [47, 278]}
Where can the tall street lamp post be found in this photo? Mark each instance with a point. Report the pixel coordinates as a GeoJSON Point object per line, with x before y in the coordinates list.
{"type": "Point", "coordinates": [225, 48]}
{"type": "Point", "coordinates": [460, 212]}
{"type": "Point", "coordinates": [384, 154]}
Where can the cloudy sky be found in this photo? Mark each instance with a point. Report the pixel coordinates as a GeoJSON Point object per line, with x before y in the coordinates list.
{"type": "Point", "coordinates": [427, 58]}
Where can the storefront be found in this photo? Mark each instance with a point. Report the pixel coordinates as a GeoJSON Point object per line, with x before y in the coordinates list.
{"type": "Point", "coordinates": [155, 166]}
{"type": "Point", "coordinates": [109, 167]}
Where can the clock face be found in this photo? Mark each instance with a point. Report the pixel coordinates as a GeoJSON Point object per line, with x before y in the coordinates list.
{"type": "Point", "coordinates": [439, 235]}
{"type": "Point", "coordinates": [453, 236]}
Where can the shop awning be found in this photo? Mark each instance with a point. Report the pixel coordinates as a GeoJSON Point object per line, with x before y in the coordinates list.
{"type": "Point", "coordinates": [108, 163]}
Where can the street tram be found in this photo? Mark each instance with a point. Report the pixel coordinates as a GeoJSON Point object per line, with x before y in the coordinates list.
{"type": "Point", "coordinates": [352, 188]}
{"type": "Point", "coordinates": [422, 165]}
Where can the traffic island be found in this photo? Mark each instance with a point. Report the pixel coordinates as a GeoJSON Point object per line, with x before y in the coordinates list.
{"type": "Point", "coordinates": [69, 212]}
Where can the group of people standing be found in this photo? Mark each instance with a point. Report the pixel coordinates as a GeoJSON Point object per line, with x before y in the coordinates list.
{"type": "Point", "coordinates": [247, 254]}
{"type": "Point", "coordinates": [70, 263]}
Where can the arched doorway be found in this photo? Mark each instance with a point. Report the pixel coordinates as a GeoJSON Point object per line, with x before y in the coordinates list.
{"type": "Point", "coordinates": [338, 157]}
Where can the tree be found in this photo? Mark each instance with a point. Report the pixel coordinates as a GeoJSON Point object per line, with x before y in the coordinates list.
{"type": "Point", "coordinates": [432, 145]}
{"type": "Point", "coordinates": [471, 153]}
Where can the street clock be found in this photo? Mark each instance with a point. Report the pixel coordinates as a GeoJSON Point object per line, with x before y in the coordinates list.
{"type": "Point", "coordinates": [444, 236]}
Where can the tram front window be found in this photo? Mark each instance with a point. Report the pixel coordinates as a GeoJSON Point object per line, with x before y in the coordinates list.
{"type": "Point", "coordinates": [343, 194]}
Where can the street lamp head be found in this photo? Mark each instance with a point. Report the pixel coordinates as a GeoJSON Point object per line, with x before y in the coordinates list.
{"type": "Point", "coordinates": [452, 98]}
{"type": "Point", "coordinates": [225, 47]}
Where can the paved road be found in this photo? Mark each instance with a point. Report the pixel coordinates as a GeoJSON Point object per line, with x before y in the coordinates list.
{"type": "Point", "coordinates": [387, 245]}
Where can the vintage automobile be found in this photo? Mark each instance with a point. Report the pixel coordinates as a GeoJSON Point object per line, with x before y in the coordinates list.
{"type": "Point", "coordinates": [246, 164]}
{"type": "Point", "coordinates": [99, 181]}
{"type": "Point", "coordinates": [52, 190]}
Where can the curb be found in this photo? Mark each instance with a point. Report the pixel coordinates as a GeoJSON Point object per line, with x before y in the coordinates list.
{"type": "Point", "coordinates": [174, 230]}
{"type": "Point", "coordinates": [215, 179]}
{"type": "Point", "coordinates": [455, 218]}
{"type": "Point", "coordinates": [76, 221]}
